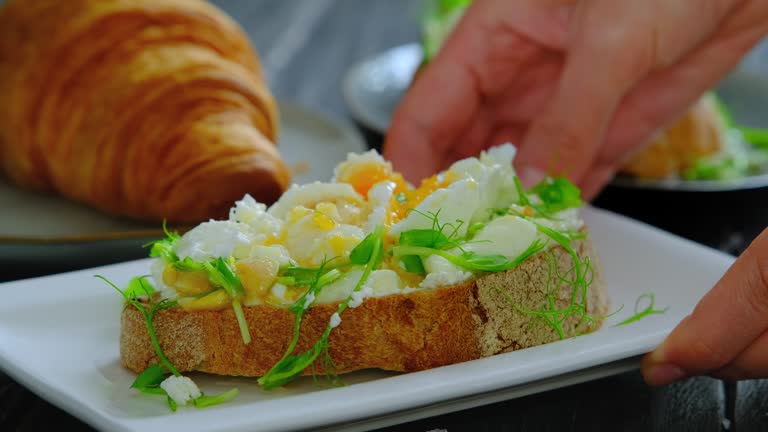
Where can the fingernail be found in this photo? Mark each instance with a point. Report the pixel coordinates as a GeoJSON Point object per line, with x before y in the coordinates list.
{"type": "Point", "coordinates": [530, 176]}
{"type": "Point", "coordinates": [663, 374]}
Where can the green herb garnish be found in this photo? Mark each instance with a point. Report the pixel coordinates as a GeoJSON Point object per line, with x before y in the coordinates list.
{"type": "Point", "coordinates": [138, 287]}
{"type": "Point", "coordinates": [415, 245]}
{"type": "Point", "coordinates": [289, 365]}
{"type": "Point", "coordinates": [413, 264]}
{"type": "Point", "coordinates": [470, 260]}
{"type": "Point", "coordinates": [368, 252]}
{"type": "Point", "coordinates": [148, 312]}
{"type": "Point", "coordinates": [204, 401]}
{"type": "Point", "coordinates": [150, 379]}
{"type": "Point", "coordinates": [305, 276]}
{"type": "Point", "coordinates": [557, 194]}
{"type": "Point", "coordinates": [164, 248]}
{"type": "Point", "coordinates": [475, 228]}
{"type": "Point", "coordinates": [437, 238]}
{"type": "Point", "coordinates": [219, 271]}
{"type": "Point", "coordinates": [580, 279]}
{"type": "Point", "coordinates": [756, 137]}
{"type": "Point", "coordinates": [642, 313]}
{"type": "Point", "coordinates": [221, 274]}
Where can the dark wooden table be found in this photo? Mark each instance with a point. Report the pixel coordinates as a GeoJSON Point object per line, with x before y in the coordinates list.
{"type": "Point", "coordinates": [306, 47]}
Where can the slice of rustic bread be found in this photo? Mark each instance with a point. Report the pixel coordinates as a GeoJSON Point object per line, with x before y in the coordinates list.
{"type": "Point", "coordinates": [403, 332]}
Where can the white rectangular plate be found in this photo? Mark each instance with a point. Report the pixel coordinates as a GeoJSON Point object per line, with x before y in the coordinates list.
{"type": "Point", "coordinates": [59, 337]}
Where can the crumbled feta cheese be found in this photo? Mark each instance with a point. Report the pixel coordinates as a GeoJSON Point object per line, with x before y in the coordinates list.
{"type": "Point", "coordinates": [441, 273]}
{"type": "Point", "coordinates": [378, 198]}
{"type": "Point", "coordinates": [358, 296]}
{"type": "Point", "coordinates": [565, 220]}
{"type": "Point", "coordinates": [335, 320]}
{"type": "Point", "coordinates": [278, 290]}
{"type": "Point", "coordinates": [254, 214]}
{"type": "Point", "coordinates": [309, 299]}
{"type": "Point", "coordinates": [181, 389]}
{"type": "Point", "coordinates": [216, 239]}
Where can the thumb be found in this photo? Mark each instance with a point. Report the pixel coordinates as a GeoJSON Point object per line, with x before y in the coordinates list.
{"type": "Point", "coordinates": [601, 68]}
{"type": "Point", "coordinates": [724, 328]}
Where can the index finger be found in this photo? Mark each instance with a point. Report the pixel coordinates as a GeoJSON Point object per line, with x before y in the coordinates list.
{"type": "Point", "coordinates": [436, 110]}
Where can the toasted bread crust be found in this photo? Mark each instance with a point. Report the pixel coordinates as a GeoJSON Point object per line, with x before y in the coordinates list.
{"type": "Point", "coordinates": [404, 332]}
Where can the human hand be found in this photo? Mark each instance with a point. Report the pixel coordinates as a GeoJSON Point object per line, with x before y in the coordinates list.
{"type": "Point", "coordinates": [577, 85]}
{"type": "Point", "coordinates": [726, 336]}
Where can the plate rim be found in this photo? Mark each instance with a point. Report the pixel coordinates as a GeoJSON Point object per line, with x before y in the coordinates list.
{"type": "Point", "coordinates": [351, 76]}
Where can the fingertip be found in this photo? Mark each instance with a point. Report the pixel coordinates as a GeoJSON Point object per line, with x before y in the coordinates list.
{"type": "Point", "coordinates": [657, 375]}
{"type": "Point", "coordinates": [595, 181]}
{"type": "Point", "coordinates": [657, 370]}
{"type": "Point", "coordinates": [530, 176]}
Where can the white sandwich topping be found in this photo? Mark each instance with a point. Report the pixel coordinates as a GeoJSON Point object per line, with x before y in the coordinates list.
{"type": "Point", "coordinates": [476, 203]}
{"type": "Point", "coordinates": [335, 320]}
{"type": "Point", "coordinates": [441, 273]}
{"type": "Point", "coordinates": [181, 389]}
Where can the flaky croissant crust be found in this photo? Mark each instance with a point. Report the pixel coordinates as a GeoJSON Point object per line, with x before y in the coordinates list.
{"type": "Point", "coordinates": [149, 109]}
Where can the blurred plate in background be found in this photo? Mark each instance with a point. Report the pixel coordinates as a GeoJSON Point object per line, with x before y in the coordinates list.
{"type": "Point", "coordinates": [373, 88]}
{"type": "Point", "coordinates": [40, 230]}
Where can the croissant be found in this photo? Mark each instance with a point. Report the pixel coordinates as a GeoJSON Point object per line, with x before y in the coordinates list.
{"type": "Point", "coordinates": [145, 109]}
{"type": "Point", "coordinates": [700, 132]}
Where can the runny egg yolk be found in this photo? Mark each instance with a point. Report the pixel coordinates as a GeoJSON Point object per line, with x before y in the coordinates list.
{"type": "Point", "coordinates": [411, 198]}
{"type": "Point", "coordinates": [365, 175]}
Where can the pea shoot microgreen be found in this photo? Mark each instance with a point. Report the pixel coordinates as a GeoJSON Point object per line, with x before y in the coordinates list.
{"type": "Point", "coordinates": [204, 401]}
{"type": "Point", "coordinates": [642, 313]}
{"type": "Point", "coordinates": [305, 276]}
{"type": "Point", "coordinates": [140, 294]}
{"type": "Point", "coordinates": [148, 312]}
{"type": "Point", "coordinates": [470, 260]}
{"type": "Point", "coordinates": [164, 248]}
{"type": "Point", "coordinates": [219, 271]}
{"type": "Point", "coordinates": [367, 253]}
{"type": "Point", "coordinates": [291, 365]}
{"type": "Point", "coordinates": [416, 244]}
{"type": "Point", "coordinates": [557, 194]}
